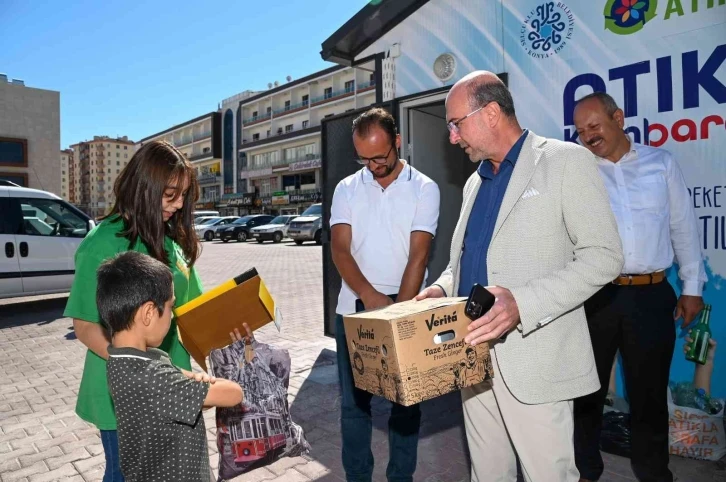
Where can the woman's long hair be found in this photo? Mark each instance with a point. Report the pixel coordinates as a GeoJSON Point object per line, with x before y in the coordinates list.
{"type": "Point", "coordinates": [139, 191]}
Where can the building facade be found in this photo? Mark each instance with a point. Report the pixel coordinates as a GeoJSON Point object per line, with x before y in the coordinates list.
{"type": "Point", "coordinates": [29, 136]}
{"type": "Point", "coordinates": [200, 140]}
{"type": "Point", "coordinates": [66, 159]}
{"type": "Point", "coordinates": [92, 174]}
{"type": "Point", "coordinates": [278, 154]}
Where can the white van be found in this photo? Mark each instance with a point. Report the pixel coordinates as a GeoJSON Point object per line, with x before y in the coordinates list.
{"type": "Point", "coordinates": [39, 235]}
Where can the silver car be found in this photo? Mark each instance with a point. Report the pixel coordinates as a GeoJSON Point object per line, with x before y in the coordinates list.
{"type": "Point", "coordinates": [275, 231]}
{"type": "Point", "coordinates": [208, 230]}
{"type": "Point", "coordinates": [308, 226]}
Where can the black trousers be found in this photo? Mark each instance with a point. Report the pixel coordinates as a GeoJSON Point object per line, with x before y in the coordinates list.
{"type": "Point", "coordinates": [638, 321]}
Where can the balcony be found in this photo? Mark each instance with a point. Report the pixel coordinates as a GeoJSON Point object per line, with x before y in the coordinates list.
{"type": "Point", "coordinates": [257, 119]}
{"type": "Point", "coordinates": [334, 95]}
{"type": "Point", "coordinates": [366, 86]}
{"type": "Point", "coordinates": [202, 136]}
{"type": "Point", "coordinates": [183, 141]}
{"type": "Point", "coordinates": [289, 109]}
{"type": "Point", "coordinates": [205, 179]}
{"type": "Point", "coordinates": [202, 155]}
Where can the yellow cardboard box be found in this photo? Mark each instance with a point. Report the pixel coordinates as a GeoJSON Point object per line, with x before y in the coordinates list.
{"type": "Point", "coordinates": [205, 322]}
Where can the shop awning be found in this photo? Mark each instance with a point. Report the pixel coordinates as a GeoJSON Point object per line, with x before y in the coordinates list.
{"type": "Point", "coordinates": [367, 26]}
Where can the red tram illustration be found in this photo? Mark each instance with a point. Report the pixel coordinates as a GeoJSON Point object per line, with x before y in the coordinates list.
{"type": "Point", "coordinates": [256, 436]}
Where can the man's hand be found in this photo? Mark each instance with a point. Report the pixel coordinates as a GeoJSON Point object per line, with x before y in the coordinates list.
{"type": "Point", "coordinates": [496, 322]}
{"type": "Point", "coordinates": [688, 307]}
{"type": "Point", "coordinates": [430, 292]}
{"type": "Point", "coordinates": [375, 299]}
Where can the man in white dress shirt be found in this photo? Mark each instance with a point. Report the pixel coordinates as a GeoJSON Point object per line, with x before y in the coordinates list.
{"type": "Point", "coordinates": [635, 313]}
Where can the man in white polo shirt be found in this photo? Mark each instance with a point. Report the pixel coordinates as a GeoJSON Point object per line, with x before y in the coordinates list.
{"type": "Point", "coordinates": [383, 219]}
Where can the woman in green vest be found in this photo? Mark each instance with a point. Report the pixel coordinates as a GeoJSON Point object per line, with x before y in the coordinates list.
{"type": "Point", "coordinates": [155, 196]}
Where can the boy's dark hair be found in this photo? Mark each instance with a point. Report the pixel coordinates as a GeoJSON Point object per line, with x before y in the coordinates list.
{"type": "Point", "coordinates": [376, 116]}
{"type": "Point", "coordinates": [125, 283]}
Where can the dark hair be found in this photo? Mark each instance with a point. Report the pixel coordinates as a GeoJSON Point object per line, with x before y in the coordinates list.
{"type": "Point", "coordinates": [139, 191]}
{"type": "Point", "coordinates": [376, 116]}
{"type": "Point", "coordinates": [469, 350]}
{"type": "Point", "coordinates": [482, 93]}
{"type": "Point", "coordinates": [605, 99]}
{"type": "Point", "coordinates": [125, 283]}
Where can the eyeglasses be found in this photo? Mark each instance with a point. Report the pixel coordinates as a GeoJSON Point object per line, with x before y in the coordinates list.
{"type": "Point", "coordinates": [375, 160]}
{"type": "Point", "coordinates": [454, 125]}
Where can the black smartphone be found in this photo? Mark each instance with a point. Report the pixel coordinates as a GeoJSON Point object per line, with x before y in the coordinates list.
{"type": "Point", "coordinates": [479, 302]}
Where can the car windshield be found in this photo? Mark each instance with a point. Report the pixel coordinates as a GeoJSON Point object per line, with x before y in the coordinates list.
{"type": "Point", "coordinates": [278, 220]}
{"type": "Point", "coordinates": [243, 220]}
{"type": "Point", "coordinates": [315, 209]}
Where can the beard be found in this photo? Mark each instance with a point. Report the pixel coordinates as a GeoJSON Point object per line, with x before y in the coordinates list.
{"type": "Point", "coordinates": [379, 173]}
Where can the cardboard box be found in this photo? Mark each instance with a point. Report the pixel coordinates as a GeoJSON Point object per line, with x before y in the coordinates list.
{"type": "Point", "coordinates": [415, 350]}
{"type": "Point", "coordinates": [205, 322]}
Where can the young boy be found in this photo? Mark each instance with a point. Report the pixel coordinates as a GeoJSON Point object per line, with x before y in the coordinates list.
{"type": "Point", "coordinates": [158, 406]}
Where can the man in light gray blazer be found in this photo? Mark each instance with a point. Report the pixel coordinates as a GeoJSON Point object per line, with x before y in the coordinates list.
{"type": "Point", "coordinates": [537, 227]}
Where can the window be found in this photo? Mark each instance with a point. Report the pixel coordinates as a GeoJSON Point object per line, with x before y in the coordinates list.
{"type": "Point", "coordinates": [118, 163]}
{"type": "Point", "coordinates": [328, 93]}
{"type": "Point", "coordinates": [126, 156]}
{"type": "Point", "coordinates": [118, 147]}
{"type": "Point", "coordinates": [254, 114]}
{"type": "Point", "coordinates": [255, 137]}
{"type": "Point", "coordinates": [279, 131]}
{"type": "Point", "coordinates": [13, 152]}
{"type": "Point", "coordinates": [117, 171]}
{"type": "Point", "coordinates": [47, 217]}
{"type": "Point", "coordinates": [305, 100]}
{"type": "Point", "coordinates": [118, 154]}
{"type": "Point", "coordinates": [269, 109]}
{"type": "Point", "coordinates": [288, 128]}
{"type": "Point", "coordinates": [109, 170]}
{"type": "Point", "coordinates": [305, 124]}
{"type": "Point", "coordinates": [63, 172]}
{"type": "Point", "coordinates": [268, 132]}
{"type": "Point", "coordinates": [21, 179]}
{"type": "Point", "coordinates": [372, 79]}
{"type": "Point", "coordinates": [350, 86]}
{"type": "Point", "coordinates": [300, 153]}
{"type": "Point", "coordinates": [287, 105]}
{"type": "Point", "coordinates": [126, 148]}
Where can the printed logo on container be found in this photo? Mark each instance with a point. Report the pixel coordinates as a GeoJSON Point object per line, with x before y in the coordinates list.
{"type": "Point", "coordinates": [547, 30]}
{"type": "Point", "coordinates": [624, 17]}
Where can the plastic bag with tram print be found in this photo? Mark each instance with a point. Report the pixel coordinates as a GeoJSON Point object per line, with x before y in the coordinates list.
{"type": "Point", "coordinates": [259, 431]}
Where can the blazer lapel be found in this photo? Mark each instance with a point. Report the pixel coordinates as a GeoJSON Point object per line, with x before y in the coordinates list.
{"type": "Point", "coordinates": [523, 172]}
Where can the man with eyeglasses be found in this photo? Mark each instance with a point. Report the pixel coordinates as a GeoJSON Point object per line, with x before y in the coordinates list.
{"type": "Point", "coordinates": [536, 226]}
{"type": "Point", "coordinates": [635, 313]}
{"type": "Point", "coordinates": [383, 219]}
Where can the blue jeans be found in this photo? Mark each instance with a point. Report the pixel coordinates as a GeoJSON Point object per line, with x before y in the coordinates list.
{"type": "Point", "coordinates": [109, 439]}
{"type": "Point", "coordinates": [357, 426]}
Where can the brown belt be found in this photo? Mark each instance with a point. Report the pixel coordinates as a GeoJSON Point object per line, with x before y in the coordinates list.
{"type": "Point", "coordinates": [639, 279]}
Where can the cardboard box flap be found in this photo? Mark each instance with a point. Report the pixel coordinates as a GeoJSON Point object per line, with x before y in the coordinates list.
{"type": "Point", "coordinates": [406, 308]}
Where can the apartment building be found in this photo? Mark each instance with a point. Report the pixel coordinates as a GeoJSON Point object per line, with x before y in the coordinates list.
{"type": "Point", "coordinates": [29, 135]}
{"type": "Point", "coordinates": [278, 153]}
{"type": "Point", "coordinates": [93, 172]}
{"type": "Point", "coordinates": [200, 139]}
{"type": "Point", "coordinates": [66, 160]}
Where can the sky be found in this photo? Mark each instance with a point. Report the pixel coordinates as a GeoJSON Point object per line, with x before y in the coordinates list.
{"type": "Point", "coordinates": [136, 68]}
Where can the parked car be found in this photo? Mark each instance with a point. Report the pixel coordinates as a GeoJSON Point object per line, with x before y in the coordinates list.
{"type": "Point", "coordinates": [308, 226]}
{"type": "Point", "coordinates": [240, 229]}
{"type": "Point", "coordinates": [39, 233]}
{"type": "Point", "coordinates": [202, 219]}
{"type": "Point", "coordinates": [274, 231]}
{"type": "Point", "coordinates": [208, 230]}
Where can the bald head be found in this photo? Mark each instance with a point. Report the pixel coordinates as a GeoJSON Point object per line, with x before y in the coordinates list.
{"type": "Point", "coordinates": [482, 87]}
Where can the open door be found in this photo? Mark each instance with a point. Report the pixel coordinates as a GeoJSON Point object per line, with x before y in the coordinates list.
{"type": "Point", "coordinates": [338, 158]}
{"type": "Point", "coordinates": [427, 148]}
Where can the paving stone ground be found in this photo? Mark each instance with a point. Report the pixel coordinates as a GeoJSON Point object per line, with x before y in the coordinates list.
{"type": "Point", "coordinates": [41, 438]}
